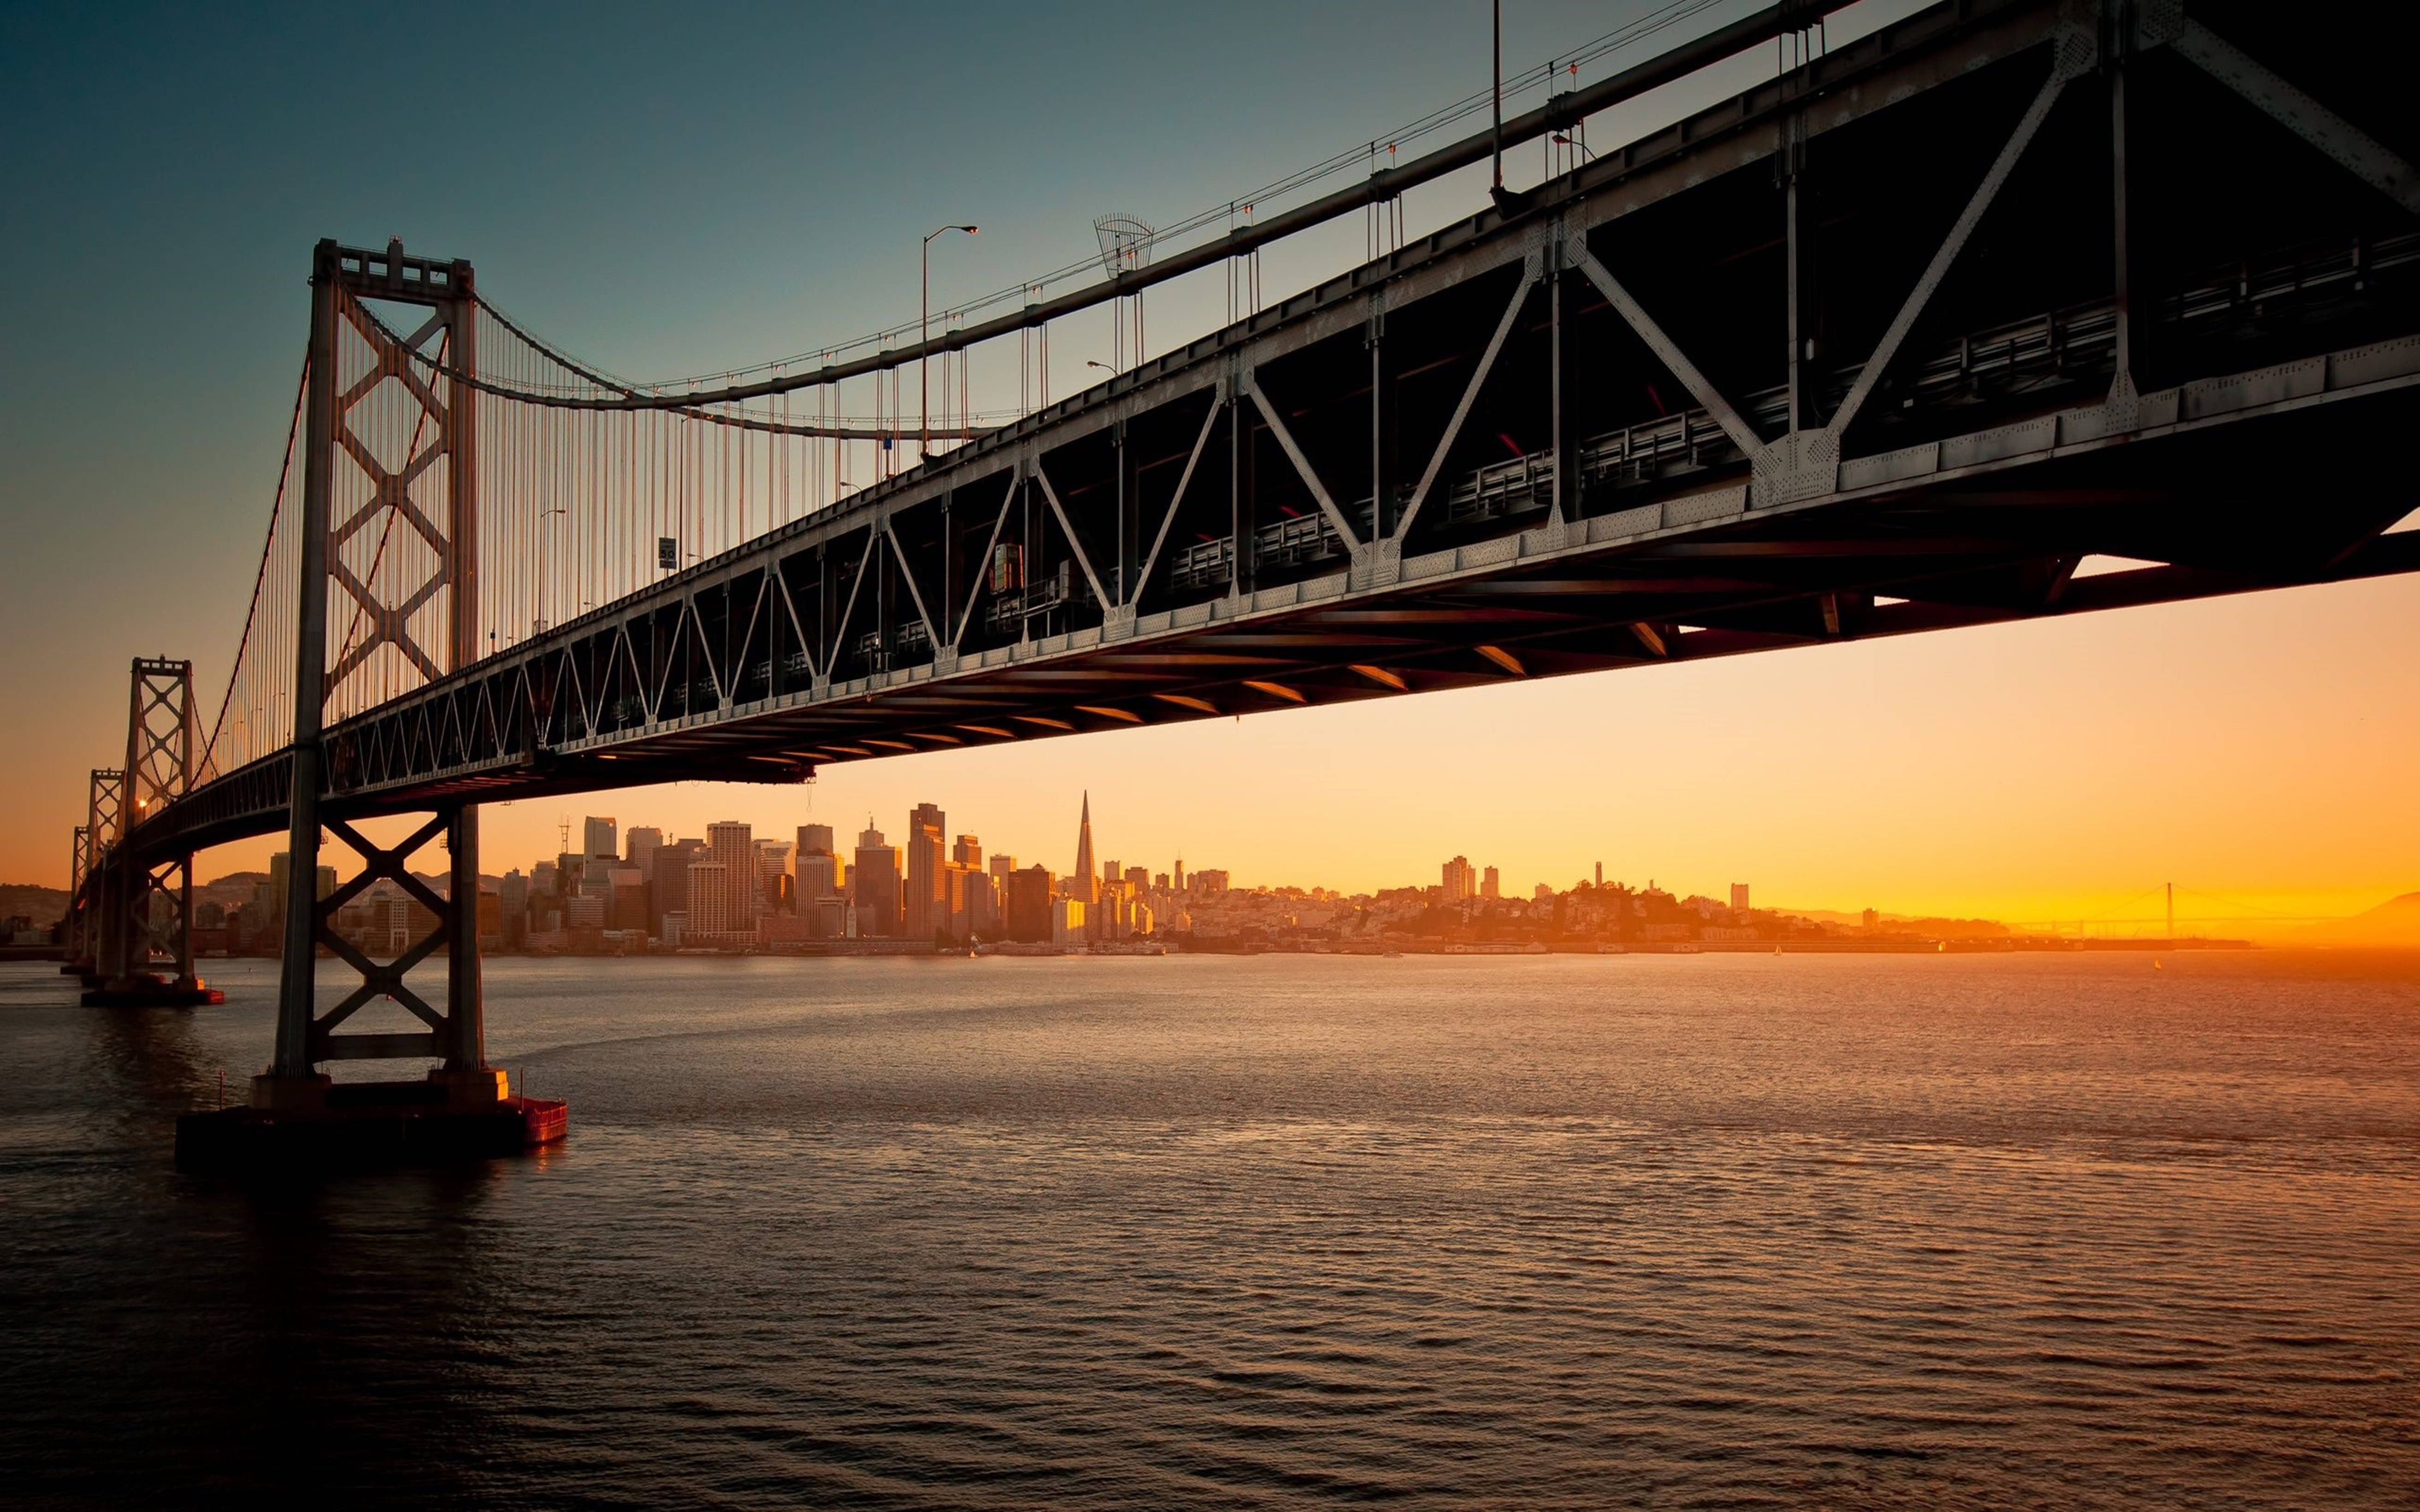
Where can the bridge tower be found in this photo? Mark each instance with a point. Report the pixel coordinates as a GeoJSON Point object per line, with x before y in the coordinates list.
{"type": "Point", "coordinates": [104, 798]}
{"type": "Point", "coordinates": [147, 902]}
{"type": "Point", "coordinates": [72, 928]}
{"type": "Point", "coordinates": [352, 493]}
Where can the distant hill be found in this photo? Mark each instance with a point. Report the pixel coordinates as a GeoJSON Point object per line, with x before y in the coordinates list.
{"type": "Point", "coordinates": [2395, 923]}
{"type": "Point", "coordinates": [45, 905]}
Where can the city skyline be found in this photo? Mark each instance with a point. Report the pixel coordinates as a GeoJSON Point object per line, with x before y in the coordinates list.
{"type": "Point", "coordinates": [913, 874]}
{"type": "Point", "coordinates": [733, 891]}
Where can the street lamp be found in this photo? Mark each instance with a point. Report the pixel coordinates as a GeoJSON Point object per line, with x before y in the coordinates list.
{"type": "Point", "coordinates": [545, 599]}
{"type": "Point", "coordinates": [1564, 139]}
{"type": "Point", "coordinates": [923, 356]}
{"type": "Point", "coordinates": [1103, 366]}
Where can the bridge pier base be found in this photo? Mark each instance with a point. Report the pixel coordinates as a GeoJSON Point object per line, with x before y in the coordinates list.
{"type": "Point", "coordinates": [462, 1108]}
{"type": "Point", "coordinates": [317, 1122]}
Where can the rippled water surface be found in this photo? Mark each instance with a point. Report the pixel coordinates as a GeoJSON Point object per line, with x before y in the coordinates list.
{"type": "Point", "coordinates": [1721, 1230]}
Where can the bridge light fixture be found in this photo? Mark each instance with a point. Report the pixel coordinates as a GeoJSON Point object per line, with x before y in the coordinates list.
{"type": "Point", "coordinates": [1276, 690]}
{"type": "Point", "coordinates": [1503, 659]}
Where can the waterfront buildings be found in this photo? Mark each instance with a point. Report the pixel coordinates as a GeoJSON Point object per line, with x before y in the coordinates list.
{"type": "Point", "coordinates": [731, 891]}
{"type": "Point", "coordinates": [1067, 921]}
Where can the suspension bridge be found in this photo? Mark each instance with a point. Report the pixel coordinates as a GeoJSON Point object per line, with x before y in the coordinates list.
{"type": "Point", "coordinates": [2007, 309]}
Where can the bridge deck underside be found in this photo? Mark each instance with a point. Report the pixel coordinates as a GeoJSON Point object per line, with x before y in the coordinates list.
{"type": "Point", "coordinates": [1838, 359]}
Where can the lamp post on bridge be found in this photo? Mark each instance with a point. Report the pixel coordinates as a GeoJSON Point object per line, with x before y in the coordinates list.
{"type": "Point", "coordinates": [924, 341]}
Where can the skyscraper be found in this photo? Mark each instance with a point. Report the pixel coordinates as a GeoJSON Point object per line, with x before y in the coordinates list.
{"type": "Point", "coordinates": [1459, 880]}
{"type": "Point", "coordinates": [928, 900]}
{"type": "Point", "coordinates": [513, 895]}
{"type": "Point", "coordinates": [732, 844]}
{"type": "Point", "coordinates": [627, 905]}
{"type": "Point", "coordinates": [600, 843]}
{"type": "Point", "coordinates": [874, 883]}
{"type": "Point", "coordinates": [641, 845]}
{"type": "Point", "coordinates": [1027, 904]}
{"type": "Point", "coordinates": [709, 898]}
{"type": "Point", "coordinates": [1086, 883]}
{"type": "Point", "coordinates": [773, 876]}
{"type": "Point", "coordinates": [981, 893]}
{"type": "Point", "coordinates": [668, 882]}
{"type": "Point", "coordinates": [1491, 885]}
{"type": "Point", "coordinates": [818, 872]}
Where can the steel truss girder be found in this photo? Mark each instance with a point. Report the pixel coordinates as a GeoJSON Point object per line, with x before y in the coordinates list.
{"type": "Point", "coordinates": [1750, 571]}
